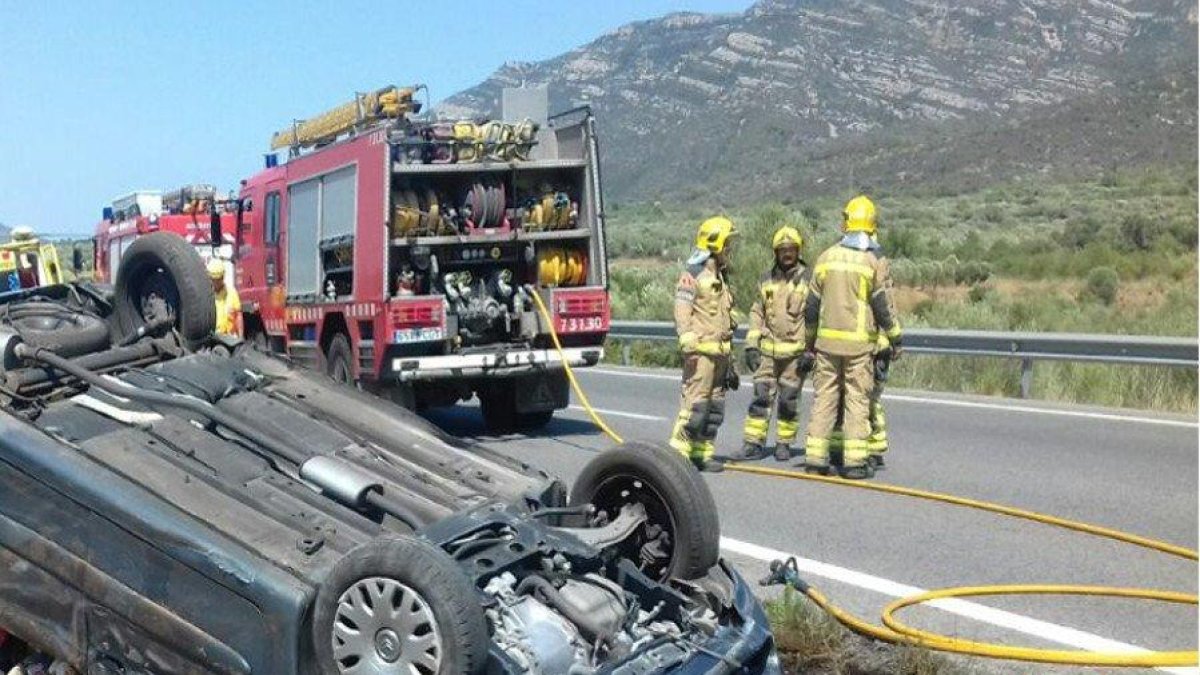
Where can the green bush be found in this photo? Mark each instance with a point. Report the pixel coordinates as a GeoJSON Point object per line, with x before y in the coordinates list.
{"type": "Point", "coordinates": [1102, 284]}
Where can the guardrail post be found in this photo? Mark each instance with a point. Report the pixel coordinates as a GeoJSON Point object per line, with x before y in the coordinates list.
{"type": "Point", "coordinates": [1026, 377]}
{"type": "Point", "coordinates": [625, 357]}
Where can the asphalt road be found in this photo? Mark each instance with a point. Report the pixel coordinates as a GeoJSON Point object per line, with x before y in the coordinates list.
{"type": "Point", "coordinates": [1128, 470]}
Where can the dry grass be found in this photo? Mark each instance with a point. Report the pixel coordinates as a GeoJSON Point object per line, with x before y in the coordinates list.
{"type": "Point", "coordinates": [811, 642]}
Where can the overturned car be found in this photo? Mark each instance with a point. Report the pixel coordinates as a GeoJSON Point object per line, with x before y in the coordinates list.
{"type": "Point", "coordinates": [174, 503]}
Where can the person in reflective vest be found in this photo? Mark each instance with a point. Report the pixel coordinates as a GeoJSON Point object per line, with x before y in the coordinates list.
{"type": "Point", "coordinates": [849, 304]}
{"type": "Point", "coordinates": [773, 346]}
{"type": "Point", "coordinates": [229, 305]}
{"type": "Point", "coordinates": [705, 324]}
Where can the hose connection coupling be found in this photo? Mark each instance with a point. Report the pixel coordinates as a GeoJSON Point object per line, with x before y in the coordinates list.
{"type": "Point", "coordinates": [785, 572]}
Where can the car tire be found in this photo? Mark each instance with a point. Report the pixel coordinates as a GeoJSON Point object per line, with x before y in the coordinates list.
{"type": "Point", "coordinates": [426, 581]}
{"type": "Point", "coordinates": [64, 330]}
{"type": "Point", "coordinates": [160, 272]}
{"type": "Point", "coordinates": [337, 360]}
{"type": "Point", "coordinates": [676, 499]}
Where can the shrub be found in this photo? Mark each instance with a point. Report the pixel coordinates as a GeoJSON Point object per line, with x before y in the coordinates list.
{"type": "Point", "coordinates": [980, 293]}
{"type": "Point", "coordinates": [1102, 284]}
{"type": "Point", "coordinates": [1138, 231]}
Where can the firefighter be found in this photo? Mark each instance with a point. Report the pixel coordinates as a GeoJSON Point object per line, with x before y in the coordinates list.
{"type": "Point", "coordinates": [229, 305]}
{"type": "Point", "coordinates": [773, 346]}
{"type": "Point", "coordinates": [848, 305]}
{"type": "Point", "coordinates": [705, 324]}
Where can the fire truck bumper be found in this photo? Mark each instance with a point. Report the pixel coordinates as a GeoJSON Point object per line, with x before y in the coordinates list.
{"type": "Point", "coordinates": [502, 363]}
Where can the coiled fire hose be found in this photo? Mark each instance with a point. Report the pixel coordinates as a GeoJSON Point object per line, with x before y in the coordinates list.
{"type": "Point", "coordinates": [894, 630]}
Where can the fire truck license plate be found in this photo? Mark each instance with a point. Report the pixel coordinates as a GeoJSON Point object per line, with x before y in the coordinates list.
{"type": "Point", "coordinates": [418, 335]}
{"type": "Point", "coordinates": [580, 324]}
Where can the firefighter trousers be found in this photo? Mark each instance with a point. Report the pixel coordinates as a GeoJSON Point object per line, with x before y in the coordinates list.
{"type": "Point", "coordinates": [842, 388]}
{"type": "Point", "coordinates": [877, 439]}
{"type": "Point", "coordinates": [703, 405]}
{"type": "Point", "coordinates": [777, 383]}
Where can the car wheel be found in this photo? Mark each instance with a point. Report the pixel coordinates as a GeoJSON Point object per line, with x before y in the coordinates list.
{"type": "Point", "coordinates": [162, 277]}
{"type": "Point", "coordinates": [337, 360]}
{"type": "Point", "coordinates": [681, 536]}
{"type": "Point", "coordinates": [399, 605]}
{"type": "Point", "coordinates": [61, 329]}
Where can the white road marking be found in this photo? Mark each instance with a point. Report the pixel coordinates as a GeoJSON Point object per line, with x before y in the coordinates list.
{"type": "Point", "coordinates": [962, 404]}
{"type": "Point", "coordinates": [618, 413]}
{"type": "Point", "coordinates": [1016, 622]}
{"type": "Point", "coordinates": [1043, 411]}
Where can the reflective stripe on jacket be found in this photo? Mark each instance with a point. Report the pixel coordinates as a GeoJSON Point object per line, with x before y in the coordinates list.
{"type": "Point", "coordinates": [850, 300]}
{"type": "Point", "coordinates": [777, 317]}
{"type": "Point", "coordinates": [704, 309]}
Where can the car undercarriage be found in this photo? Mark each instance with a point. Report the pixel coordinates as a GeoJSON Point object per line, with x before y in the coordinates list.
{"type": "Point", "coordinates": [172, 502]}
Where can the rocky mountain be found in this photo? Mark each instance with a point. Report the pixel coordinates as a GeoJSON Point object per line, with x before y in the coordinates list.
{"type": "Point", "coordinates": [796, 96]}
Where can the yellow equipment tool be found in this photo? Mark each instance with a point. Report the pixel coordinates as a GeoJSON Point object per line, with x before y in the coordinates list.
{"type": "Point", "coordinates": [389, 102]}
{"type": "Point", "coordinates": [561, 267]}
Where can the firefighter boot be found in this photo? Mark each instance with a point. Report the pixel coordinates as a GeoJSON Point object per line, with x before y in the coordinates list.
{"type": "Point", "coordinates": [783, 451]}
{"type": "Point", "coordinates": [752, 451]}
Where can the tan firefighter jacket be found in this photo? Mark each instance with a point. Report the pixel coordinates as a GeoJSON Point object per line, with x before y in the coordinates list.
{"type": "Point", "coordinates": [777, 317]}
{"type": "Point", "coordinates": [704, 308]}
{"type": "Point", "coordinates": [850, 298]}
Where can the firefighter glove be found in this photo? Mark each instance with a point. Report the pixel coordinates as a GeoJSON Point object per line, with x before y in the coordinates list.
{"type": "Point", "coordinates": [752, 358]}
{"type": "Point", "coordinates": [732, 380]}
{"type": "Point", "coordinates": [808, 360]}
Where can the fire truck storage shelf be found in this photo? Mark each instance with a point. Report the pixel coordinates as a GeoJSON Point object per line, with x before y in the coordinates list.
{"type": "Point", "coordinates": [515, 235]}
{"type": "Point", "coordinates": [485, 167]}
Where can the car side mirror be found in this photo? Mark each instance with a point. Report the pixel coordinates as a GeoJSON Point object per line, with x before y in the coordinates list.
{"type": "Point", "coordinates": [237, 230]}
{"type": "Point", "coordinates": [214, 226]}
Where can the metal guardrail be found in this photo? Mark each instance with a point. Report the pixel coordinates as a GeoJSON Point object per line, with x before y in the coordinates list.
{"type": "Point", "coordinates": [1028, 347]}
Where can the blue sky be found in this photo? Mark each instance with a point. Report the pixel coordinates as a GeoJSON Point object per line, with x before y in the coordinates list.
{"type": "Point", "coordinates": [101, 98]}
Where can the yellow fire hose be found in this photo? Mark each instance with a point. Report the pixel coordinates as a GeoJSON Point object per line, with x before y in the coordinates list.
{"type": "Point", "coordinates": [895, 631]}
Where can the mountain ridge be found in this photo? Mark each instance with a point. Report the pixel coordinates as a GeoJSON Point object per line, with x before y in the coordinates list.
{"type": "Point", "coordinates": [747, 105]}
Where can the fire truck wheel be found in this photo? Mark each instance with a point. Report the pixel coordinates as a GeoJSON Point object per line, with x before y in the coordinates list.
{"type": "Point", "coordinates": [337, 360]}
{"type": "Point", "coordinates": [499, 408]}
{"type": "Point", "coordinates": [533, 421]}
{"type": "Point", "coordinates": [162, 277]}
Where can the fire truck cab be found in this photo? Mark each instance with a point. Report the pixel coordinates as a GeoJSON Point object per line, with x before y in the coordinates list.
{"type": "Point", "coordinates": [187, 211]}
{"type": "Point", "coordinates": [402, 253]}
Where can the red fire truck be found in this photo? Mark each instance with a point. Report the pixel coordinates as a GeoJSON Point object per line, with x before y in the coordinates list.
{"type": "Point", "coordinates": [187, 211]}
{"type": "Point", "coordinates": [402, 253]}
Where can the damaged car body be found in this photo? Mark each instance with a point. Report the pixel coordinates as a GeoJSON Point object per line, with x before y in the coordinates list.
{"type": "Point", "coordinates": [174, 503]}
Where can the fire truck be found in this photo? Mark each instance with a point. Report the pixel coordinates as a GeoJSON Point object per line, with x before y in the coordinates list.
{"type": "Point", "coordinates": [189, 211]}
{"type": "Point", "coordinates": [403, 253]}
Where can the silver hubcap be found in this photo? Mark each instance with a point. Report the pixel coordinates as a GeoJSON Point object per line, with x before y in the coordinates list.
{"type": "Point", "coordinates": [383, 626]}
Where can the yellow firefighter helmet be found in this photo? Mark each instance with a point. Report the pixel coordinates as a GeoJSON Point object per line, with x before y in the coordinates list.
{"type": "Point", "coordinates": [216, 268]}
{"type": "Point", "coordinates": [714, 234]}
{"type": "Point", "coordinates": [787, 236]}
{"type": "Point", "coordinates": [859, 215]}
